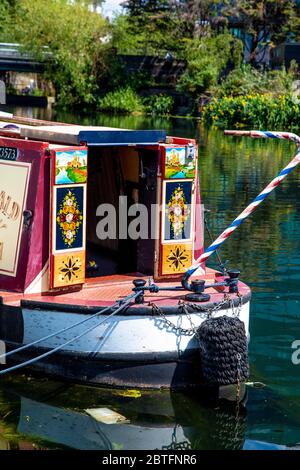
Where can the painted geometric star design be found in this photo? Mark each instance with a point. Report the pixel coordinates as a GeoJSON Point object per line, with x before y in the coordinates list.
{"type": "Point", "coordinates": [177, 258]}
{"type": "Point", "coordinates": [69, 269]}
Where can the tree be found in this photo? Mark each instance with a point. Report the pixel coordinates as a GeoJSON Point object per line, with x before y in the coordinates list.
{"type": "Point", "coordinates": [167, 24]}
{"type": "Point", "coordinates": [198, 17]}
{"type": "Point", "coordinates": [153, 23]}
{"type": "Point", "coordinates": [157, 26]}
{"type": "Point", "coordinates": [5, 17]}
{"type": "Point", "coordinates": [207, 58]}
{"type": "Point", "coordinates": [141, 7]}
{"type": "Point", "coordinates": [71, 36]}
{"type": "Point", "coordinates": [268, 21]}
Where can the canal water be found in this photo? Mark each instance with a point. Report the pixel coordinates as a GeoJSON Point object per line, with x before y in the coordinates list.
{"type": "Point", "coordinates": [42, 413]}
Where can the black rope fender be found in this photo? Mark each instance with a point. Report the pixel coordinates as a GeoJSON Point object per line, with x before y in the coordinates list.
{"type": "Point", "coordinates": [223, 350]}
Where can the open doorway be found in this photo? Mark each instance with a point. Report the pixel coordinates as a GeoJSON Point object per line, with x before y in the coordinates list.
{"type": "Point", "coordinates": [114, 172]}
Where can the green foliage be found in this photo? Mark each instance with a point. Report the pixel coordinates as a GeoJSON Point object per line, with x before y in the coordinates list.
{"type": "Point", "coordinates": [161, 25]}
{"type": "Point", "coordinates": [4, 19]}
{"type": "Point", "coordinates": [72, 35]}
{"type": "Point", "coordinates": [142, 7]}
{"type": "Point", "coordinates": [146, 35]}
{"type": "Point", "coordinates": [207, 58]}
{"type": "Point", "coordinates": [123, 100]}
{"type": "Point", "coordinates": [83, 48]}
{"type": "Point", "coordinates": [140, 79]}
{"type": "Point", "coordinates": [249, 97]}
{"type": "Point", "coordinates": [125, 39]}
{"type": "Point", "coordinates": [159, 104]}
{"type": "Point", "coordinates": [155, 21]}
{"type": "Point", "coordinates": [126, 100]}
{"type": "Point", "coordinates": [38, 92]}
{"type": "Point", "coordinates": [261, 111]}
{"type": "Point", "coordinates": [248, 80]}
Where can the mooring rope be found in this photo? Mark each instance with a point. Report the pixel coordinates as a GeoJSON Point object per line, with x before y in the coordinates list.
{"type": "Point", "coordinates": [64, 330]}
{"type": "Point", "coordinates": [75, 338]}
{"type": "Point", "coordinates": [253, 205]}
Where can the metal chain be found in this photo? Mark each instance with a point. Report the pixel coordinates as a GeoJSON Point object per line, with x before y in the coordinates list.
{"type": "Point", "coordinates": [183, 445]}
{"type": "Point", "coordinates": [238, 395]}
{"type": "Point", "coordinates": [206, 313]}
{"type": "Point", "coordinates": [177, 329]}
{"type": "Point", "coordinates": [238, 377]}
{"type": "Point", "coordinates": [236, 310]}
{"type": "Point", "coordinates": [183, 307]}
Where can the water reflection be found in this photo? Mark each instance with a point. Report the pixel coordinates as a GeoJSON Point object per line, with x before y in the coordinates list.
{"type": "Point", "coordinates": [186, 127]}
{"type": "Point", "coordinates": [53, 414]}
{"type": "Point", "coordinates": [42, 413]}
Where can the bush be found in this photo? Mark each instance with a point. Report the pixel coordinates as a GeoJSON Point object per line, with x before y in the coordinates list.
{"type": "Point", "coordinates": [247, 80]}
{"type": "Point", "coordinates": [159, 104]}
{"type": "Point", "coordinates": [207, 58]}
{"type": "Point", "coordinates": [261, 111]}
{"type": "Point", "coordinates": [123, 100]}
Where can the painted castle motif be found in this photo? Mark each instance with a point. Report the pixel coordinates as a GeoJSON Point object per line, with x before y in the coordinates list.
{"type": "Point", "coordinates": [76, 162]}
{"type": "Point", "coordinates": [180, 162]}
{"type": "Point", "coordinates": [71, 167]}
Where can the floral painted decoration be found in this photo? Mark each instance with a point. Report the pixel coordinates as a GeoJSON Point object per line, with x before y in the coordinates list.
{"type": "Point", "coordinates": [178, 212]}
{"type": "Point", "coordinates": [69, 218]}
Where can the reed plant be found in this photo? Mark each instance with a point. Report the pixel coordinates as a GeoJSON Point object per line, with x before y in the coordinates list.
{"type": "Point", "coordinates": [260, 111]}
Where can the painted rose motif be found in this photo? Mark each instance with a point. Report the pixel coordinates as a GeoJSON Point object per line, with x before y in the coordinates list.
{"type": "Point", "coordinates": [69, 218]}
{"type": "Point", "coordinates": [69, 202]}
{"type": "Point", "coordinates": [178, 212]}
{"type": "Point", "coordinates": [69, 234]}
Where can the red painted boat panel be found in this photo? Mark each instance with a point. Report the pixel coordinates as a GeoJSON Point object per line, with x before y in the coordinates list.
{"type": "Point", "coordinates": [33, 244]}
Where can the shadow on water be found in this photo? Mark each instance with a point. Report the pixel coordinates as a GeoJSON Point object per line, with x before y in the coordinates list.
{"type": "Point", "coordinates": [266, 248]}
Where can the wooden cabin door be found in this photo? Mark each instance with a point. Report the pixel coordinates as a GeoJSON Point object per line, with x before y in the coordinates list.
{"type": "Point", "coordinates": [68, 216]}
{"type": "Point", "coordinates": [178, 198]}
{"type": "Point", "coordinates": [22, 169]}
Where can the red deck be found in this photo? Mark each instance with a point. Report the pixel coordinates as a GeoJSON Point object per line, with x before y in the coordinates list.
{"type": "Point", "coordinates": [106, 290]}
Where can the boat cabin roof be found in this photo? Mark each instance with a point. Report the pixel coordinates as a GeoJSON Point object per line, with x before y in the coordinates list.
{"type": "Point", "coordinates": [88, 135]}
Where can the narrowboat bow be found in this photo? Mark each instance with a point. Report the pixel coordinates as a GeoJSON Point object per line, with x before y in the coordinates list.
{"type": "Point", "coordinates": [99, 228]}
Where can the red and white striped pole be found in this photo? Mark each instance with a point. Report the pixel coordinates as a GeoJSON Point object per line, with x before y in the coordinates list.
{"type": "Point", "coordinates": [254, 204]}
